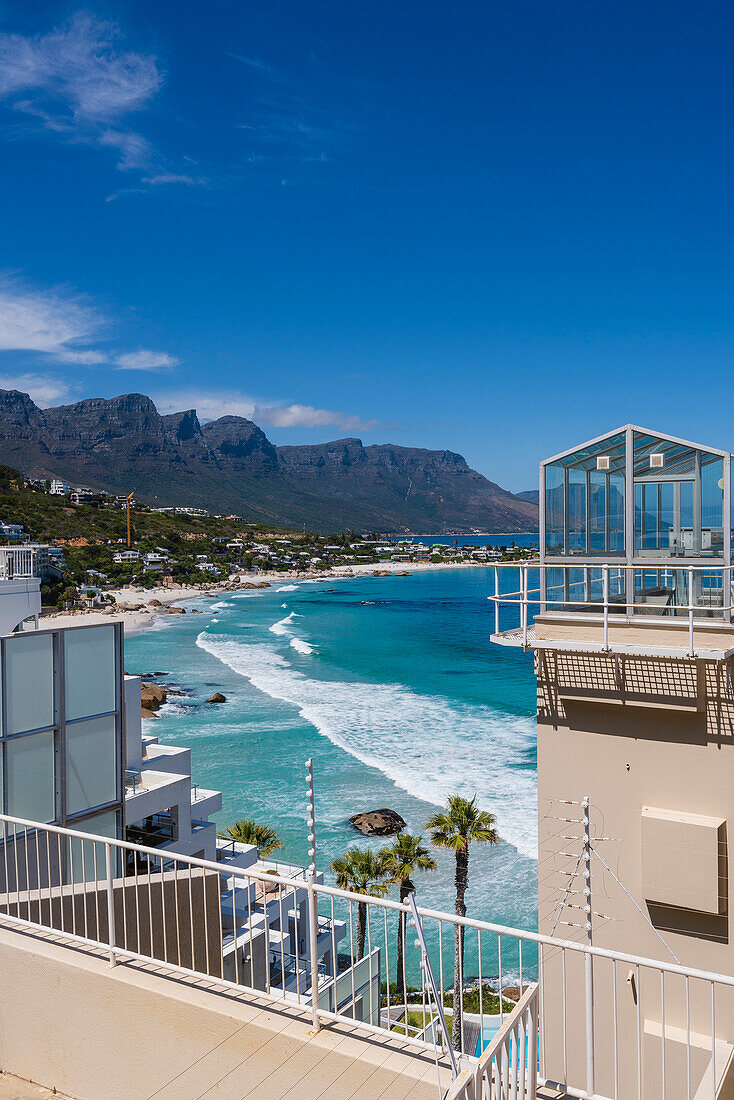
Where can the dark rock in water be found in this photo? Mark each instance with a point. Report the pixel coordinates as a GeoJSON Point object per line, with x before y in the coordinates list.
{"type": "Point", "coordinates": [176, 610]}
{"type": "Point", "coordinates": [152, 698]}
{"type": "Point", "coordinates": [378, 823]}
{"type": "Point", "coordinates": [195, 611]}
{"type": "Point", "coordinates": [217, 697]}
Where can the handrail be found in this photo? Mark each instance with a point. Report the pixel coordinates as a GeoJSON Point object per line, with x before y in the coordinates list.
{"type": "Point", "coordinates": [626, 599]}
{"type": "Point", "coordinates": [499, 1065]}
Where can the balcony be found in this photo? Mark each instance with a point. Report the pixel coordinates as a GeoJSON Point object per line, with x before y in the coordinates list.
{"type": "Point", "coordinates": [204, 802]}
{"type": "Point", "coordinates": [616, 609]}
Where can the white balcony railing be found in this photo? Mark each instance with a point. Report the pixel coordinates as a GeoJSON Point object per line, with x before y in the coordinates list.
{"type": "Point", "coordinates": [698, 597]}
{"type": "Point", "coordinates": [641, 1028]}
{"type": "Point", "coordinates": [17, 562]}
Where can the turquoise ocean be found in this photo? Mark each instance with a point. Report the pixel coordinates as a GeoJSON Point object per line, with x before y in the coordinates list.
{"type": "Point", "coordinates": [390, 685]}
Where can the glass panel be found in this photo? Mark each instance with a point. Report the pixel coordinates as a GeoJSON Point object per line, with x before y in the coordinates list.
{"type": "Point", "coordinates": [554, 477]}
{"type": "Point", "coordinates": [590, 519]}
{"type": "Point", "coordinates": [598, 484]}
{"type": "Point", "coordinates": [83, 851]}
{"type": "Point", "coordinates": [712, 509]}
{"type": "Point", "coordinates": [92, 766]}
{"type": "Point", "coordinates": [30, 763]}
{"type": "Point", "coordinates": [576, 512]}
{"type": "Point", "coordinates": [679, 499]}
{"type": "Point", "coordinates": [29, 682]}
{"type": "Point", "coordinates": [89, 671]}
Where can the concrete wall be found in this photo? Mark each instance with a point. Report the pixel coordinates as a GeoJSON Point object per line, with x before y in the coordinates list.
{"type": "Point", "coordinates": [153, 918]}
{"type": "Point", "coordinates": [633, 733]}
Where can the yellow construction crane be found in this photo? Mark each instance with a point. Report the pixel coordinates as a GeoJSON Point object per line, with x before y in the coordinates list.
{"type": "Point", "coordinates": [129, 498]}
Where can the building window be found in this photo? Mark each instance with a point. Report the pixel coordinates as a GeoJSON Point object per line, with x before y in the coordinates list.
{"type": "Point", "coordinates": [92, 768]}
{"type": "Point", "coordinates": [30, 777]}
{"type": "Point", "coordinates": [29, 682]}
{"type": "Point", "coordinates": [89, 671]}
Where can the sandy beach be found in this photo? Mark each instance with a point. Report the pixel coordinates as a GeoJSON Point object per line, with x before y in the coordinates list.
{"type": "Point", "coordinates": [143, 616]}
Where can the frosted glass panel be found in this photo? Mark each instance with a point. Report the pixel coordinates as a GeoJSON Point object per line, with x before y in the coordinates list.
{"type": "Point", "coordinates": [92, 770]}
{"type": "Point", "coordinates": [83, 866]}
{"type": "Point", "coordinates": [29, 680]}
{"type": "Point", "coordinates": [89, 671]}
{"type": "Point", "coordinates": [30, 763]}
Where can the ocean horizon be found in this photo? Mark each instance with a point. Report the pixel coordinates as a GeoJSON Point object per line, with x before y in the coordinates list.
{"type": "Point", "coordinates": [391, 686]}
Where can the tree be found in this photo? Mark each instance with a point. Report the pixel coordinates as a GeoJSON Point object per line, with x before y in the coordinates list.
{"type": "Point", "coordinates": [456, 828]}
{"type": "Point", "coordinates": [244, 831]}
{"type": "Point", "coordinates": [406, 855]}
{"type": "Point", "coordinates": [362, 872]}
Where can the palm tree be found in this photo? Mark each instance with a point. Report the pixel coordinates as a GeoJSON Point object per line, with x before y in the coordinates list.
{"type": "Point", "coordinates": [244, 831]}
{"type": "Point", "coordinates": [406, 855]}
{"type": "Point", "coordinates": [455, 828]}
{"type": "Point", "coordinates": [362, 872]}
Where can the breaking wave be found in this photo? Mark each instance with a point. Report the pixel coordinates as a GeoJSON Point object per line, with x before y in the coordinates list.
{"type": "Point", "coordinates": [426, 745]}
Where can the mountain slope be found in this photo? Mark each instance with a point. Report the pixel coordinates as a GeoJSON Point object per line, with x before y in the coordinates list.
{"type": "Point", "coordinates": [229, 464]}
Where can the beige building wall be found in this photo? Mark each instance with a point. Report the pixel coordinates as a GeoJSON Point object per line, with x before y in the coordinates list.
{"type": "Point", "coordinates": [651, 743]}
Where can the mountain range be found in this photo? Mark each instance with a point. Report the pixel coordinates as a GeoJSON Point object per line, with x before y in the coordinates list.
{"type": "Point", "coordinates": [123, 443]}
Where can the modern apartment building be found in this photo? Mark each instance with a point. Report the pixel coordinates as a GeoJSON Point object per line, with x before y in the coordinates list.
{"type": "Point", "coordinates": [633, 642]}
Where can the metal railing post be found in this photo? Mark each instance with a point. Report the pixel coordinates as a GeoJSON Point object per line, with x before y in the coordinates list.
{"type": "Point", "coordinates": [605, 578]}
{"type": "Point", "coordinates": [110, 903]}
{"type": "Point", "coordinates": [690, 613]}
{"type": "Point", "coordinates": [496, 600]}
{"type": "Point", "coordinates": [313, 932]}
{"type": "Point", "coordinates": [525, 605]}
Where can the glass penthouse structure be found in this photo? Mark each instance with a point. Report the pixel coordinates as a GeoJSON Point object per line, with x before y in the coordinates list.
{"type": "Point", "coordinates": [655, 509]}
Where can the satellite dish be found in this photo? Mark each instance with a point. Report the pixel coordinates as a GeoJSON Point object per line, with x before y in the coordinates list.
{"type": "Point", "coordinates": [721, 483]}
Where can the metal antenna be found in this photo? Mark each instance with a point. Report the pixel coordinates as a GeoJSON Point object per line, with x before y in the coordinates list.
{"type": "Point", "coordinates": [588, 959]}
{"type": "Point", "coordinates": [311, 817]}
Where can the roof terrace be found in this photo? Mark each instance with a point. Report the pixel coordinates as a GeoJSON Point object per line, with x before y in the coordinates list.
{"type": "Point", "coordinates": [635, 530]}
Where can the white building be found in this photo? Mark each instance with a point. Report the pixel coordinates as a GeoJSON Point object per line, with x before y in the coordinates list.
{"type": "Point", "coordinates": [74, 753]}
{"type": "Point", "coordinates": [58, 488]}
{"type": "Point", "coordinates": [126, 557]}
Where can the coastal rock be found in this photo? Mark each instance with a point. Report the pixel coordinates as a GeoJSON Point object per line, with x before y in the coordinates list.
{"type": "Point", "coordinates": [154, 603]}
{"type": "Point", "coordinates": [176, 610]}
{"type": "Point", "coordinates": [378, 823]}
{"type": "Point", "coordinates": [404, 573]}
{"type": "Point", "coordinates": [152, 697]}
{"type": "Point", "coordinates": [195, 611]}
{"type": "Point", "coordinates": [217, 697]}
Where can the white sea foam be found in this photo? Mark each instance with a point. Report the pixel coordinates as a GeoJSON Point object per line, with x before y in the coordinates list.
{"type": "Point", "coordinates": [218, 605]}
{"type": "Point", "coordinates": [427, 745]}
{"type": "Point", "coordinates": [283, 625]}
{"type": "Point", "coordinates": [287, 588]}
{"type": "Point", "coordinates": [301, 647]}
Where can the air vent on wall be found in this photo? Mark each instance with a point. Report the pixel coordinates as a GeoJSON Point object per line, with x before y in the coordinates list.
{"type": "Point", "coordinates": [657, 461]}
{"type": "Point", "coordinates": [603, 462]}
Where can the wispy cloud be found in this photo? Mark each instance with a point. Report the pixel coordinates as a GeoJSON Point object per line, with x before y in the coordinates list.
{"type": "Point", "coordinates": [284, 123]}
{"type": "Point", "coordinates": [212, 405]}
{"type": "Point", "coordinates": [158, 362]}
{"type": "Point", "coordinates": [44, 389]}
{"type": "Point", "coordinates": [51, 321]}
{"type": "Point", "coordinates": [58, 323]}
{"type": "Point", "coordinates": [79, 81]}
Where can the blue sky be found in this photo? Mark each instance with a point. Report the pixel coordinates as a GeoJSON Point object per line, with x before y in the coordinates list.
{"type": "Point", "coordinates": [499, 228]}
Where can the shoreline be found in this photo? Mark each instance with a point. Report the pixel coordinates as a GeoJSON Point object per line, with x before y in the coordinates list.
{"type": "Point", "coordinates": [137, 621]}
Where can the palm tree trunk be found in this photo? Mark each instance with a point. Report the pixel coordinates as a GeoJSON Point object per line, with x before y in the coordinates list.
{"type": "Point", "coordinates": [462, 875]}
{"type": "Point", "coordinates": [361, 928]}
